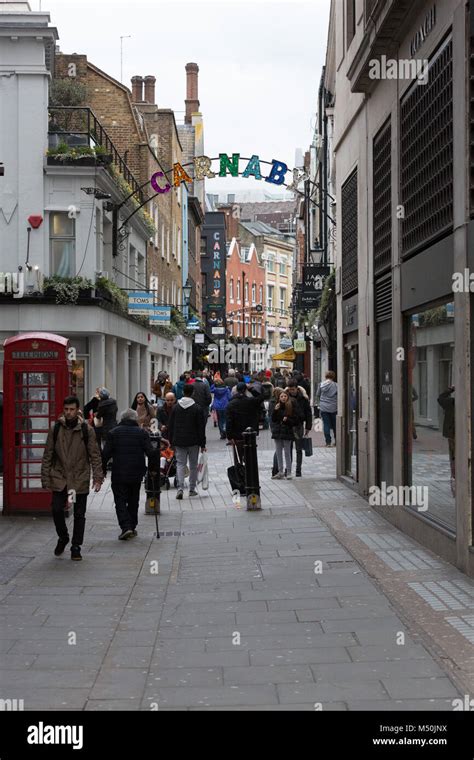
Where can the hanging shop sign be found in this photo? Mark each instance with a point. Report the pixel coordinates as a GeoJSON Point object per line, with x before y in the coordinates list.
{"type": "Point", "coordinates": [199, 338]}
{"type": "Point", "coordinates": [299, 346]}
{"type": "Point", "coordinates": [286, 343]}
{"type": "Point", "coordinates": [314, 279]}
{"type": "Point", "coordinates": [160, 315]}
{"type": "Point", "coordinates": [193, 324]}
{"type": "Point", "coordinates": [140, 303]}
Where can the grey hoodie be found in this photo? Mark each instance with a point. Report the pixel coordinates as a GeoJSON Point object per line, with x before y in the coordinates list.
{"type": "Point", "coordinates": [326, 397]}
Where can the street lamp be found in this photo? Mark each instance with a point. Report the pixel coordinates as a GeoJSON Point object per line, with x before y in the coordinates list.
{"type": "Point", "coordinates": [187, 292]}
{"type": "Point", "coordinates": [186, 298]}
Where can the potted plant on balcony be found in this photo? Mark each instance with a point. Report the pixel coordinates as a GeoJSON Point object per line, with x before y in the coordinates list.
{"type": "Point", "coordinates": [67, 290]}
{"type": "Point", "coordinates": [103, 158]}
{"type": "Point", "coordinates": [81, 155]}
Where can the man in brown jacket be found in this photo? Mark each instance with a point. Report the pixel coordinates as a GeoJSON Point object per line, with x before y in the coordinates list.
{"type": "Point", "coordinates": [71, 450]}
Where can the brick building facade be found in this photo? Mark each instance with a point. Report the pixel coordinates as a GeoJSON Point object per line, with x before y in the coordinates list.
{"type": "Point", "coordinates": [147, 138]}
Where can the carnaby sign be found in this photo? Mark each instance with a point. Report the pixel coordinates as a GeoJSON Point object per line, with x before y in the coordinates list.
{"type": "Point", "coordinates": [277, 173]}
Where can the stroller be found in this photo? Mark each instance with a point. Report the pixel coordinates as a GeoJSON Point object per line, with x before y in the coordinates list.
{"type": "Point", "coordinates": [167, 464]}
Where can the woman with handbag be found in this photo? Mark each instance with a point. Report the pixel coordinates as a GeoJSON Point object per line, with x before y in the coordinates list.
{"type": "Point", "coordinates": [284, 419]}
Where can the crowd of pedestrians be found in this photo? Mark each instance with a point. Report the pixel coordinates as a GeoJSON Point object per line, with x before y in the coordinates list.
{"type": "Point", "coordinates": [92, 441]}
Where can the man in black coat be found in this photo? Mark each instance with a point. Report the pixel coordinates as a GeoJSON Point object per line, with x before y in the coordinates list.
{"type": "Point", "coordinates": [164, 413]}
{"type": "Point", "coordinates": [242, 412]}
{"type": "Point", "coordinates": [127, 444]}
{"type": "Point", "coordinates": [202, 394]}
{"type": "Point", "coordinates": [187, 434]}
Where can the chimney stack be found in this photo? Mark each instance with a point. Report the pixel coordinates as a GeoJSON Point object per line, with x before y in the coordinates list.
{"type": "Point", "coordinates": [137, 89]}
{"type": "Point", "coordinates": [192, 101]}
{"type": "Point", "coordinates": [150, 82]}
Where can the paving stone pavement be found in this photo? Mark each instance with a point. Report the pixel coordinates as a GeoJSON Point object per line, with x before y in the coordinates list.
{"type": "Point", "coordinates": [308, 604]}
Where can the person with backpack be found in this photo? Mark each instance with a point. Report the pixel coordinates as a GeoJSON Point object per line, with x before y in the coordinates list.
{"type": "Point", "coordinates": [70, 453]}
{"type": "Point", "coordinates": [127, 444]}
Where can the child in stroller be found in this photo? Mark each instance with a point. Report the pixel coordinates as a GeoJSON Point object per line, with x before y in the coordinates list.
{"type": "Point", "coordinates": [167, 464]}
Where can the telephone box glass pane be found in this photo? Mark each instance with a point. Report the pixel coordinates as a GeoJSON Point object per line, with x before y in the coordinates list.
{"type": "Point", "coordinates": [34, 413]}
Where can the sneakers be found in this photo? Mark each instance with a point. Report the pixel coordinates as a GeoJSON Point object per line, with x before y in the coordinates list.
{"type": "Point", "coordinates": [193, 493]}
{"type": "Point", "coordinates": [76, 553]}
{"type": "Point", "coordinates": [61, 545]}
{"type": "Point", "coordinates": [298, 474]}
{"type": "Point", "coordinates": [126, 534]}
{"type": "Point", "coordinates": [278, 476]}
{"type": "Point", "coordinates": [134, 533]}
{"type": "Point", "coordinates": [289, 476]}
{"type": "Point", "coordinates": [179, 495]}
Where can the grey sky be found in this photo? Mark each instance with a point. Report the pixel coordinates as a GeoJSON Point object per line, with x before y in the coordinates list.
{"type": "Point", "coordinates": [259, 62]}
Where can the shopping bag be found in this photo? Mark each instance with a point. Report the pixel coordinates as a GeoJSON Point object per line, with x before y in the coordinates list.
{"type": "Point", "coordinates": [307, 445]}
{"type": "Point", "coordinates": [205, 478]}
{"type": "Point", "coordinates": [202, 472]}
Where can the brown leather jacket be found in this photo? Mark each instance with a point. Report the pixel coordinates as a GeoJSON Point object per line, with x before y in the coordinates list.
{"type": "Point", "coordinates": [70, 467]}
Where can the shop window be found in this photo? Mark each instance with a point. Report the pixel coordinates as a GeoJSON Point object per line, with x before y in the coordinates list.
{"type": "Point", "coordinates": [430, 401]}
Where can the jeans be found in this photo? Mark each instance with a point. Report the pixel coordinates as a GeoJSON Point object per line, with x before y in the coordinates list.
{"type": "Point", "coordinates": [283, 446]}
{"type": "Point", "coordinates": [182, 455]}
{"type": "Point", "coordinates": [329, 423]}
{"type": "Point", "coordinates": [221, 420]}
{"type": "Point", "coordinates": [127, 497]}
{"type": "Point", "coordinates": [58, 505]}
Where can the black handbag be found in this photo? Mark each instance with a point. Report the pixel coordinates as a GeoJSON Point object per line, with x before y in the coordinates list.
{"type": "Point", "coordinates": [236, 475]}
{"type": "Point", "coordinates": [307, 445]}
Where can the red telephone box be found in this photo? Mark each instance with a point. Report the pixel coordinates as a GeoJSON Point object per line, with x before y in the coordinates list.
{"type": "Point", "coordinates": [36, 380]}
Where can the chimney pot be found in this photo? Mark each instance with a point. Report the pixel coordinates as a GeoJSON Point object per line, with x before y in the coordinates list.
{"type": "Point", "coordinates": [192, 98]}
{"type": "Point", "coordinates": [137, 89]}
{"type": "Point", "coordinates": [150, 82]}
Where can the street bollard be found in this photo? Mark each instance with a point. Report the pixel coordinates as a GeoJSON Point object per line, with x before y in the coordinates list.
{"type": "Point", "coordinates": [252, 483]}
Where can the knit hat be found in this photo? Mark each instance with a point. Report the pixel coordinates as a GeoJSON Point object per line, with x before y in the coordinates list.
{"type": "Point", "coordinates": [104, 394]}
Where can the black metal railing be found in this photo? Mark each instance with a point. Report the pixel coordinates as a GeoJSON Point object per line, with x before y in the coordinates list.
{"type": "Point", "coordinates": [78, 126]}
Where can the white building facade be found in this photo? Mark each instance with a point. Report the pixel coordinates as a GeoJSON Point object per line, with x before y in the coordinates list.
{"type": "Point", "coordinates": [75, 233]}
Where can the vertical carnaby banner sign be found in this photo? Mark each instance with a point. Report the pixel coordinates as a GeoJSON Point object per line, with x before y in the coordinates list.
{"type": "Point", "coordinates": [314, 277]}
{"type": "Point", "coordinates": [213, 267]}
